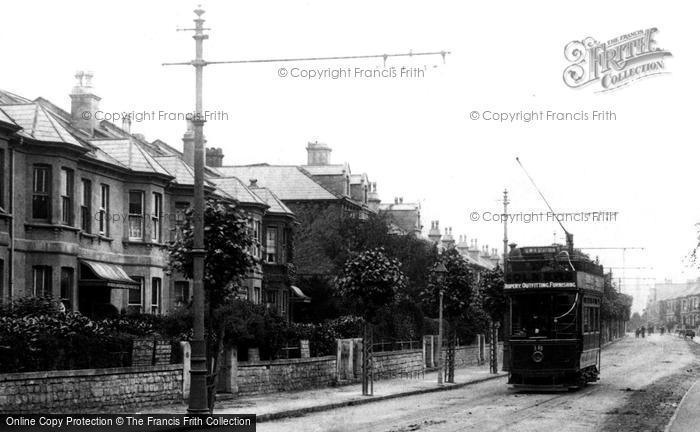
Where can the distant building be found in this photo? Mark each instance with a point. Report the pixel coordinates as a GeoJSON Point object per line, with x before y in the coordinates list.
{"type": "Point", "coordinates": [477, 258]}
{"type": "Point", "coordinates": [404, 216]}
{"type": "Point", "coordinates": [675, 304]}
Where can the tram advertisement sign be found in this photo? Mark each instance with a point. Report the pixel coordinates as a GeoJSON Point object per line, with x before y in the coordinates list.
{"type": "Point", "coordinates": [526, 285]}
{"type": "Point", "coordinates": [589, 281]}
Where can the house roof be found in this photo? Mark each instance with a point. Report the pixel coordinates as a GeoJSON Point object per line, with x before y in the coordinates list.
{"type": "Point", "coordinates": [276, 204]}
{"type": "Point", "coordinates": [9, 98]}
{"type": "Point", "coordinates": [6, 119]}
{"type": "Point", "coordinates": [130, 154]}
{"type": "Point", "coordinates": [288, 182]}
{"type": "Point", "coordinates": [240, 192]}
{"type": "Point", "coordinates": [399, 207]}
{"type": "Point", "coordinates": [183, 173]}
{"type": "Point", "coordinates": [338, 169]}
{"type": "Point", "coordinates": [359, 178]}
{"type": "Point", "coordinates": [39, 124]}
{"type": "Point", "coordinates": [667, 291]}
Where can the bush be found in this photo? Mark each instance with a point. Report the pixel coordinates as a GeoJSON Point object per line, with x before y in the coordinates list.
{"type": "Point", "coordinates": [61, 341]}
{"type": "Point", "coordinates": [35, 335]}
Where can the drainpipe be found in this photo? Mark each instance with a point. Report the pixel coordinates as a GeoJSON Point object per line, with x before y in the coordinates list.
{"type": "Point", "coordinates": [11, 209]}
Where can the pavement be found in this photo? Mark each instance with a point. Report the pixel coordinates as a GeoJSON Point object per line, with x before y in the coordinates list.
{"type": "Point", "coordinates": [291, 404]}
{"type": "Point", "coordinates": [687, 415]}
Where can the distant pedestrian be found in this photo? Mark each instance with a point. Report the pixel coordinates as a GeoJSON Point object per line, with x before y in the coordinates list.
{"type": "Point", "coordinates": [636, 332]}
{"type": "Point", "coordinates": [643, 331]}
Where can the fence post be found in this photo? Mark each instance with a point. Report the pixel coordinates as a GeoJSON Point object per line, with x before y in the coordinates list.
{"type": "Point", "coordinates": [338, 360]}
{"type": "Point", "coordinates": [494, 348]}
{"type": "Point", "coordinates": [186, 358]}
{"type": "Point", "coordinates": [304, 348]}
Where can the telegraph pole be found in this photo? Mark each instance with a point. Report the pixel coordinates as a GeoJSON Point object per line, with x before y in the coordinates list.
{"type": "Point", "coordinates": [506, 320]}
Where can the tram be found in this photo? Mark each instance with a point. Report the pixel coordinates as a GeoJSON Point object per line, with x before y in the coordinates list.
{"type": "Point", "coordinates": [552, 329]}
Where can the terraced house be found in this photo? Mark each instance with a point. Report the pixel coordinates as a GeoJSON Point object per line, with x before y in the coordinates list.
{"type": "Point", "coordinates": [87, 209]}
{"type": "Point", "coordinates": [675, 305]}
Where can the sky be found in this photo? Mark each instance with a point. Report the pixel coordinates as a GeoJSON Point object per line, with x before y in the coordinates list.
{"type": "Point", "coordinates": [412, 135]}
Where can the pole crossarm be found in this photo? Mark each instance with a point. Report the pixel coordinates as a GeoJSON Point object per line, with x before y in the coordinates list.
{"type": "Point", "coordinates": [298, 59]}
{"type": "Point", "coordinates": [612, 247]}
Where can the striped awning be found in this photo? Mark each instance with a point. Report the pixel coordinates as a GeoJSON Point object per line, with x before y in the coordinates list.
{"type": "Point", "coordinates": [298, 295]}
{"type": "Point", "coordinates": [106, 275]}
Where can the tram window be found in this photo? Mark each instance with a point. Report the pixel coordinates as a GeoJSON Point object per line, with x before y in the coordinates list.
{"type": "Point", "coordinates": [591, 319]}
{"type": "Point", "coordinates": [531, 315]}
{"type": "Point", "coordinates": [596, 320]}
{"type": "Point", "coordinates": [565, 312]}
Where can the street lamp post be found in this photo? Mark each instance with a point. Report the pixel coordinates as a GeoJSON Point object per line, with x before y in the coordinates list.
{"type": "Point", "coordinates": [198, 400]}
{"type": "Point", "coordinates": [439, 270]}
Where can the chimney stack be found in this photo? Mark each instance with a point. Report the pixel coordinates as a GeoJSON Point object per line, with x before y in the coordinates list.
{"type": "Point", "coordinates": [188, 144]}
{"type": "Point", "coordinates": [318, 154]}
{"type": "Point", "coordinates": [126, 124]}
{"type": "Point", "coordinates": [373, 197]}
{"type": "Point", "coordinates": [84, 103]}
{"type": "Point", "coordinates": [214, 157]}
{"type": "Point", "coordinates": [434, 233]}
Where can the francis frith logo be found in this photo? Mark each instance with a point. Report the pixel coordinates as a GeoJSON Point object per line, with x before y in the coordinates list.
{"type": "Point", "coordinates": [615, 63]}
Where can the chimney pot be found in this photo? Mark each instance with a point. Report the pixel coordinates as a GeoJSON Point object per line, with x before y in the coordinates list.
{"type": "Point", "coordinates": [253, 183]}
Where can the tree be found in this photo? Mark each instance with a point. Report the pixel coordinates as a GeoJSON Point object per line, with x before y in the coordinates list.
{"type": "Point", "coordinates": [636, 320]}
{"type": "Point", "coordinates": [461, 303]}
{"type": "Point", "coordinates": [370, 280]}
{"type": "Point", "coordinates": [494, 300]}
{"type": "Point", "coordinates": [326, 241]}
{"type": "Point", "coordinates": [228, 242]}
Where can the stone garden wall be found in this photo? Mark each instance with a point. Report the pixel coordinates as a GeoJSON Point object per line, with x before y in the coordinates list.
{"type": "Point", "coordinates": [90, 389]}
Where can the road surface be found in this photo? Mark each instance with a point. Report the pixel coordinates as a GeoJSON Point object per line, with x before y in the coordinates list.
{"type": "Point", "coordinates": [642, 380]}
